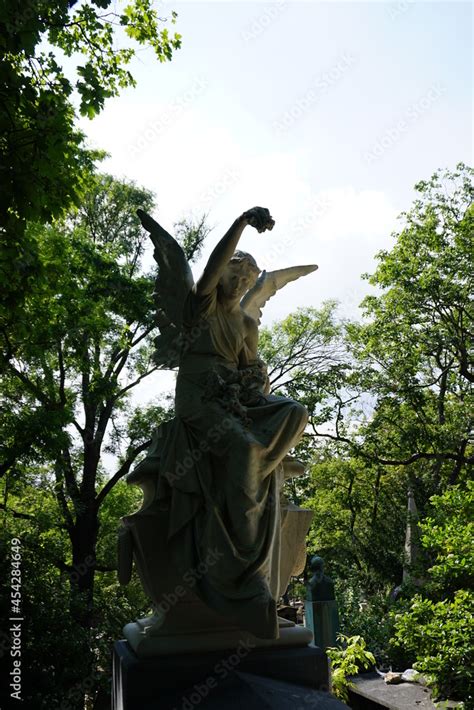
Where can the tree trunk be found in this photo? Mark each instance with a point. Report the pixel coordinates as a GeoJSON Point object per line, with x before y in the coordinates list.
{"type": "Point", "coordinates": [84, 541]}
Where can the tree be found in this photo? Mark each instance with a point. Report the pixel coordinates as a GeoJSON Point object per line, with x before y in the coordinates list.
{"type": "Point", "coordinates": [68, 367]}
{"type": "Point", "coordinates": [44, 159]}
{"type": "Point", "coordinates": [415, 348]}
{"type": "Point", "coordinates": [359, 519]}
{"type": "Point", "coordinates": [401, 404]}
{"type": "Point", "coordinates": [91, 316]}
{"type": "Point", "coordinates": [63, 664]}
{"type": "Point", "coordinates": [70, 364]}
{"type": "Point", "coordinates": [437, 626]}
{"type": "Point", "coordinates": [306, 360]}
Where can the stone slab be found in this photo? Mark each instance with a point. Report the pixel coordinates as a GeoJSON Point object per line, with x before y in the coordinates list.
{"type": "Point", "coordinates": [244, 691]}
{"type": "Point", "coordinates": [163, 683]}
{"type": "Point", "coordinates": [149, 640]}
{"type": "Point", "coordinates": [372, 693]}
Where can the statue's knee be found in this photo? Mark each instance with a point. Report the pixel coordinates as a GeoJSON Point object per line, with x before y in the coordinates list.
{"type": "Point", "coordinates": [300, 415]}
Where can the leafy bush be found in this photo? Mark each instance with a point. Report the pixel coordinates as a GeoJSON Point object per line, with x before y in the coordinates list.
{"type": "Point", "coordinates": [366, 615]}
{"type": "Point", "coordinates": [346, 660]}
{"type": "Point", "coordinates": [438, 626]}
{"type": "Point", "coordinates": [441, 637]}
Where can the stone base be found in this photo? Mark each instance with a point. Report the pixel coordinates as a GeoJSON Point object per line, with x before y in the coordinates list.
{"type": "Point", "coordinates": [148, 639]}
{"type": "Point", "coordinates": [369, 692]}
{"type": "Point", "coordinates": [219, 679]}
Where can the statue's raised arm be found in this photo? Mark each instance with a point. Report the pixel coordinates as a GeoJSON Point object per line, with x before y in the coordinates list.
{"type": "Point", "coordinates": [258, 217]}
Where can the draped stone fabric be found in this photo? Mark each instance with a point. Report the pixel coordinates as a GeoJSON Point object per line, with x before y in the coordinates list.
{"type": "Point", "coordinates": [219, 463]}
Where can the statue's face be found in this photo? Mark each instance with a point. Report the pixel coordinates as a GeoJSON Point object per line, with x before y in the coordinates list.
{"type": "Point", "coordinates": [317, 568]}
{"type": "Point", "coordinates": [236, 280]}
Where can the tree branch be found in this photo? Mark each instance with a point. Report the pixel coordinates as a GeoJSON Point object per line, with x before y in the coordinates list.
{"type": "Point", "coordinates": [31, 386]}
{"type": "Point", "coordinates": [69, 477]}
{"type": "Point", "coordinates": [62, 375]}
{"type": "Point", "coordinates": [104, 568]}
{"type": "Point", "coordinates": [447, 456]}
{"type": "Point", "coordinates": [134, 383]}
{"type": "Point", "coordinates": [16, 513]}
{"type": "Point", "coordinates": [122, 471]}
{"type": "Point", "coordinates": [61, 498]}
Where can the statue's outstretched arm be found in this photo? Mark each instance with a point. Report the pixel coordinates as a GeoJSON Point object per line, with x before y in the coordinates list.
{"type": "Point", "coordinates": [258, 217]}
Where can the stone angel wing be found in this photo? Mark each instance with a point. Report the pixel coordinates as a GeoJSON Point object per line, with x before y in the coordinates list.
{"type": "Point", "coordinates": [268, 283]}
{"type": "Point", "coordinates": [172, 286]}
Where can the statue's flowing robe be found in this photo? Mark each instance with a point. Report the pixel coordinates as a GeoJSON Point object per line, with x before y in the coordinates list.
{"type": "Point", "coordinates": [219, 475]}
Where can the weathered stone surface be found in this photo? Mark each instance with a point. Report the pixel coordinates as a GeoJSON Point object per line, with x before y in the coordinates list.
{"type": "Point", "coordinates": [320, 586]}
{"type": "Point", "coordinates": [148, 639]}
{"type": "Point", "coordinates": [371, 693]}
{"type": "Point", "coordinates": [295, 523]}
{"type": "Point", "coordinates": [212, 476]}
{"type": "Point", "coordinates": [239, 678]}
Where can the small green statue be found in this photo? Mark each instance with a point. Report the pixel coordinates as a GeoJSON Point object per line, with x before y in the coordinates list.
{"type": "Point", "coordinates": [321, 614]}
{"type": "Point", "coordinates": [320, 587]}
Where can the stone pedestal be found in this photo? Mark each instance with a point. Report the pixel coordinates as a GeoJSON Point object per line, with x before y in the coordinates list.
{"type": "Point", "coordinates": [151, 637]}
{"type": "Point", "coordinates": [219, 679]}
{"type": "Point", "coordinates": [322, 619]}
{"type": "Point", "coordinates": [181, 622]}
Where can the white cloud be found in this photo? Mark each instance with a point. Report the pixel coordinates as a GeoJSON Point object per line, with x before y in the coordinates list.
{"type": "Point", "coordinates": [196, 166]}
{"type": "Point", "coordinates": [341, 230]}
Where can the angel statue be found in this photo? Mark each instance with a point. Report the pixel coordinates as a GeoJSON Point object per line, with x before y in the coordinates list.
{"type": "Point", "coordinates": [212, 476]}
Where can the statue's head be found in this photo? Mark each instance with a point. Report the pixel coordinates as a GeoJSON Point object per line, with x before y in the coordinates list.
{"type": "Point", "coordinates": [240, 274]}
{"type": "Point", "coordinates": [245, 262]}
{"type": "Point", "coordinates": [317, 567]}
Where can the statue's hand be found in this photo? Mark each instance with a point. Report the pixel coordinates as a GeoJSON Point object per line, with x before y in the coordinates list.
{"type": "Point", "coordinates": [260, 218]}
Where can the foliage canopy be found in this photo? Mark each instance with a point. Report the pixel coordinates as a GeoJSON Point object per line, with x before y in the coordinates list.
{"type": "Point", "coordinates": [55, 55]}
